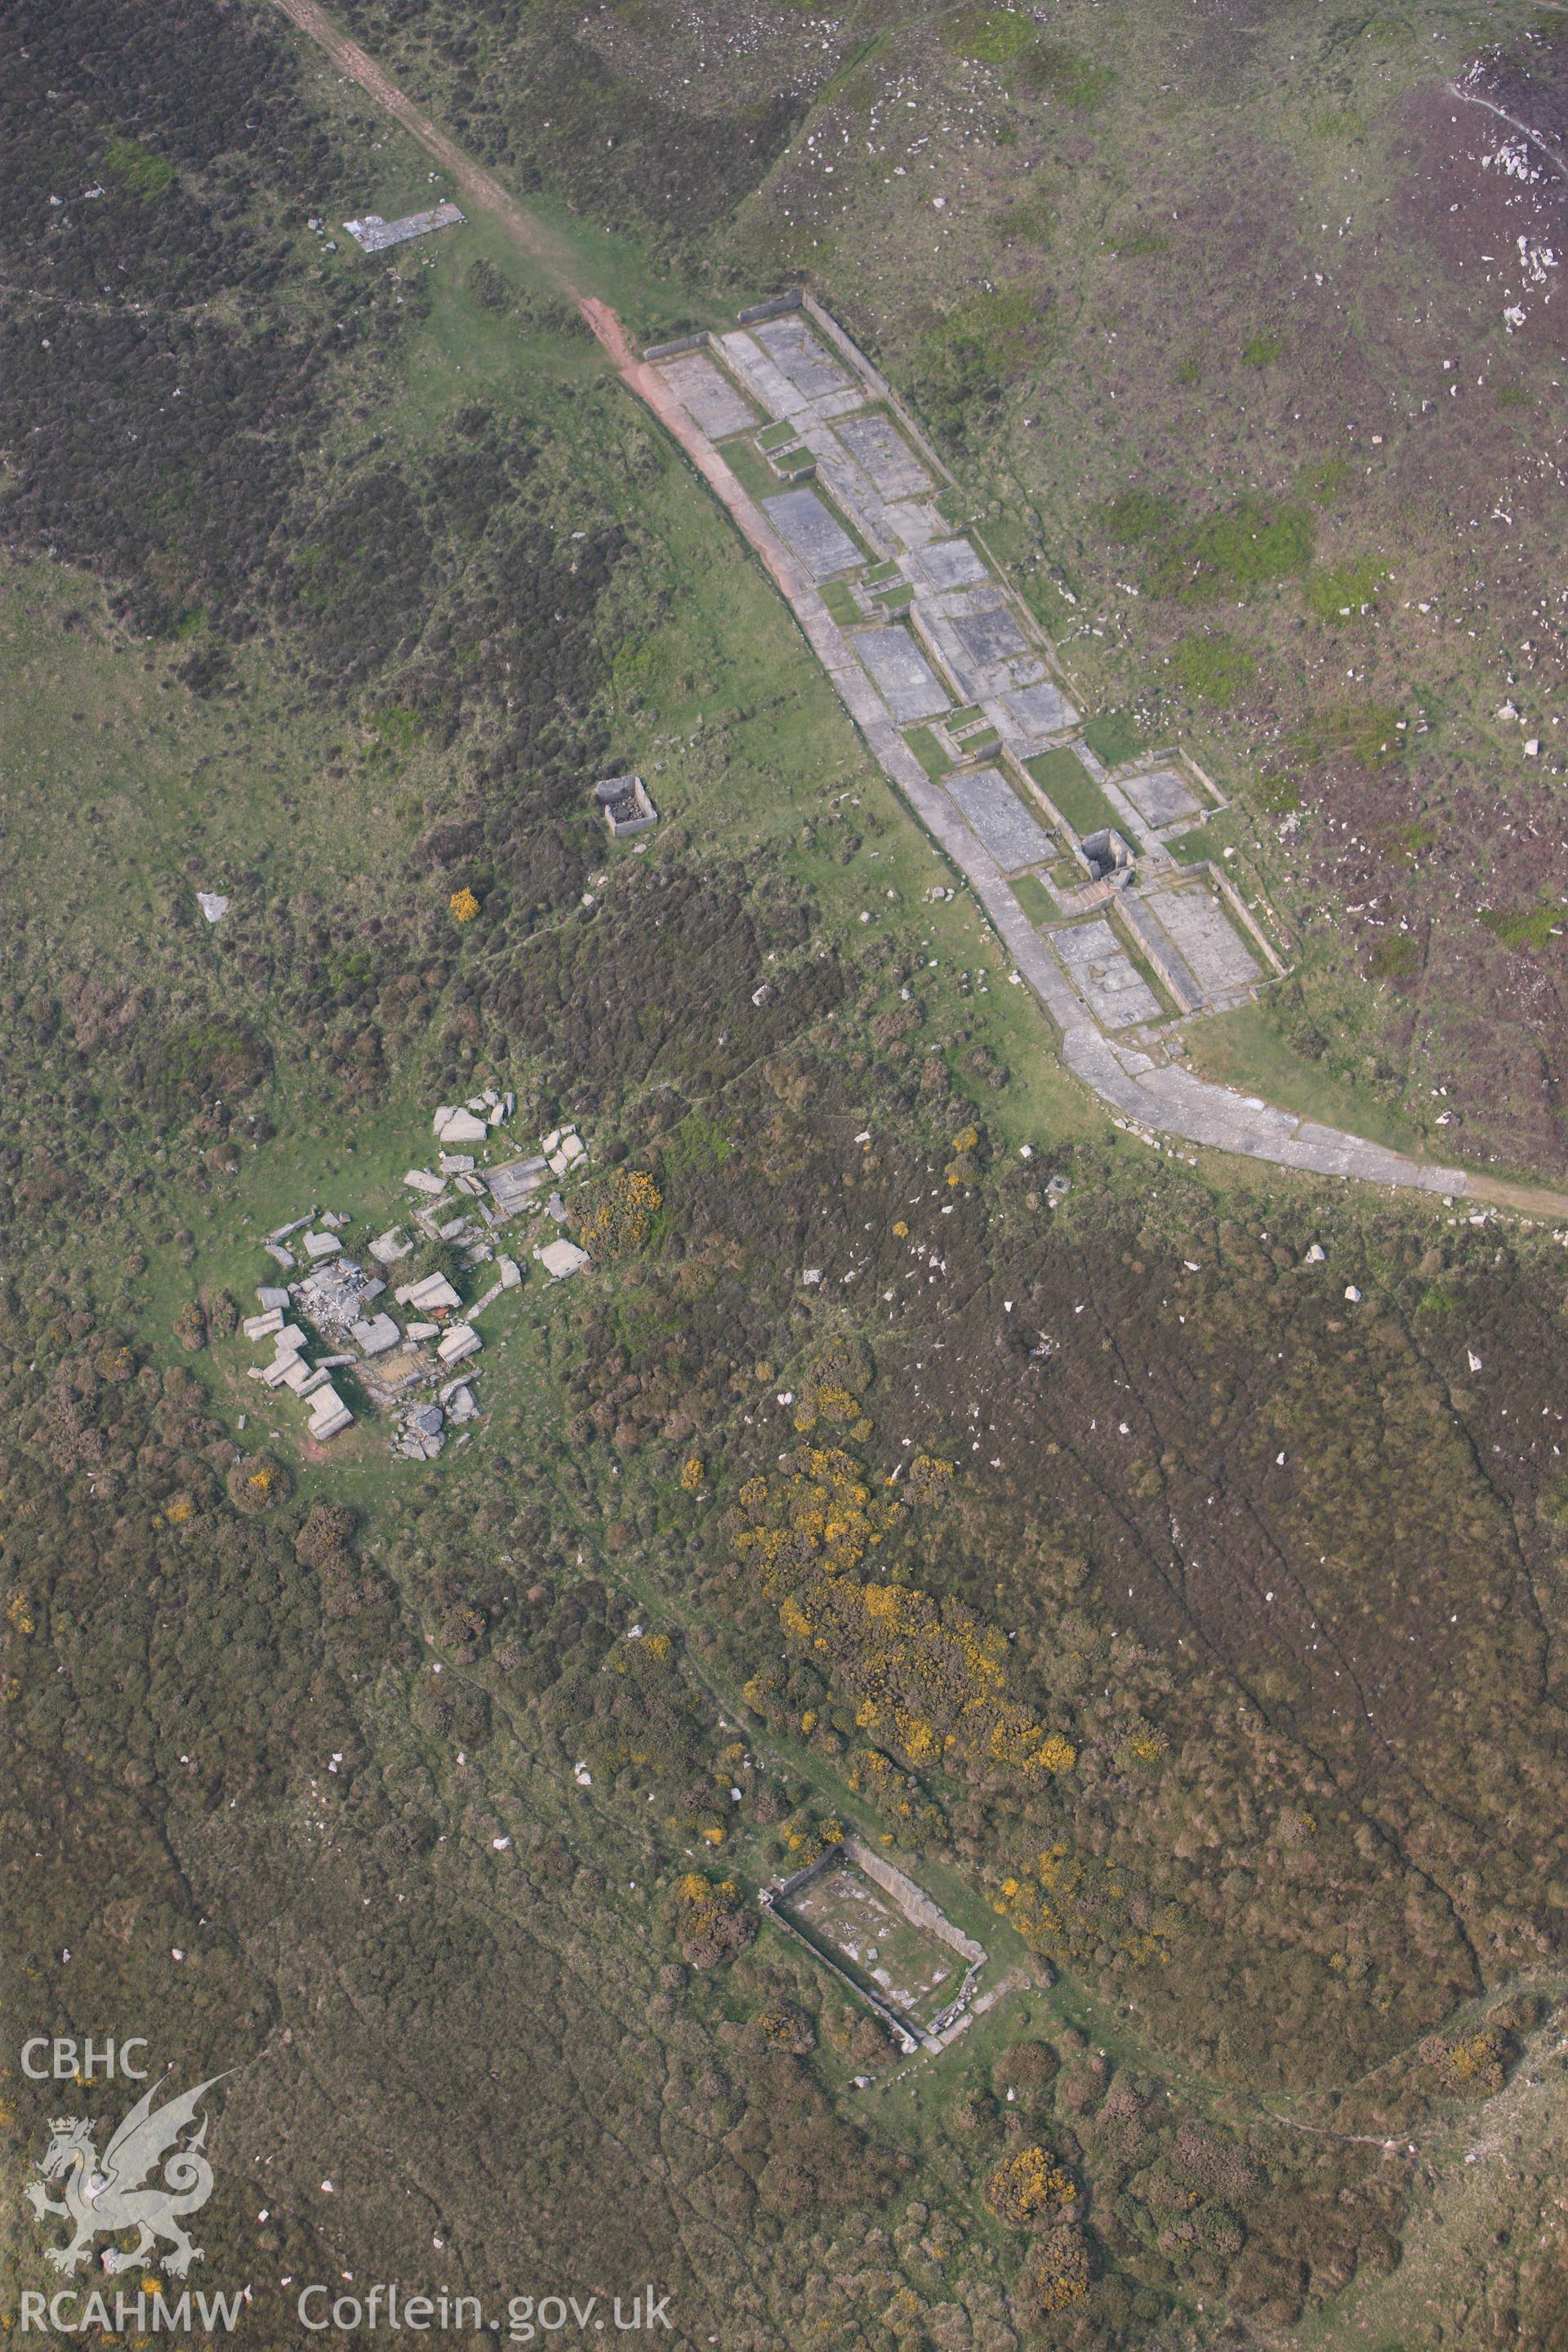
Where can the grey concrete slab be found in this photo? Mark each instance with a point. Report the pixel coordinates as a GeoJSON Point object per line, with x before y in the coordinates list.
{"type": "Point", "coordinates": [955, 626]}
{"type": "Point", "coordinates": [880, 450]}
{"type": "Point", "coordinates": [915, 524]}
{"type": "Point", "coordinates": [707, 396]}
{"type": "Point", "coordinates": [1007, 827]}
{"type": "Point", "coordinates": [951, 563]}
{"type": "Point", "coordinates": [1161, 797]}
{"type": "Point", "coordinates": [854, 490]}
{"type": "Point", "coordinates": [1042, 709]}
{"type": "Point", "coordinates": [1159, 949]}
{"type": "Point", "coordinates": [990, 637]}
{"type": "Point", "coordinates": [1112, 988]}
{"type": "Point", "coordinates": [757, 373]}
{"type": "Point", "coordinates": [840, 404]}
{"type": "Point", "coordinates": [796, 353]}
{"type": "Point", "coordinates": [823, 545]}
{"type": "Point", "coordinates": [901, 675]}
{"type": "Point", "coordinates": [948, 604]}
{"type": "Point", "coordinates": [1204, 938]}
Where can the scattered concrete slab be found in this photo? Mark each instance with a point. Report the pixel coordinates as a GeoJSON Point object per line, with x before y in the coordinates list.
{"type": "Point", "coordinates": [823, 545]}
{"type": "Point", "coordinates": [431, 1293]}
{"type": "Point", "coordinates": [707, 396]}
{"type": "Point", "coordinates": [377, 1335]}
{"type": "Point", "coordinates": [422, 1179]}
{"type": "Point", "coordinates": [321, 1246]}
{"type": "Point", "coordinates": [901, 675]}
{"type": "Point", "coordinates": [329, 1413]}
{"type": "Point", "coordinates": [460, 1342]}
{"type": "Point", "coordinates": [561, 1258]}
{"type": "Point", "coordinates": [1115, 992]}
{"type": "Point", "coordinates": [513, 1187]}
{"type": "Point", "coordinates": [1007, 827]}
{"type": "Point", "coordinates": [462, 1127]}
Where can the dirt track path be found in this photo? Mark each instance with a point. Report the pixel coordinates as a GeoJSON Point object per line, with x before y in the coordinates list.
{"type": "Point", "coordinates": [1175, 1103]}
{"type": "Point", "coordinates": [473, 179]}
{"type": "Point", "coordinates": [481, 187]}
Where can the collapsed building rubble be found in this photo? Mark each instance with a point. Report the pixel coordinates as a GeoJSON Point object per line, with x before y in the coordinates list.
{"type": "Point", "coordinates": [403, 1342]}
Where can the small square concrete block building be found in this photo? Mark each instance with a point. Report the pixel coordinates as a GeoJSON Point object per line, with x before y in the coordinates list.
{"type": "Point", "coordinates": [626, 805]}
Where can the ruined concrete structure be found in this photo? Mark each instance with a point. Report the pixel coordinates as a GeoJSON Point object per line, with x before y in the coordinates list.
{"type": "Point", "coordinates": [916, 1906]}
{"type": "Point", "coordinates": [376, 235]}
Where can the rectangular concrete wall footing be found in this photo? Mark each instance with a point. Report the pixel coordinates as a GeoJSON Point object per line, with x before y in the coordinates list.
{"type": "Point", "coordinates": [1245, 918]}
{"type": "Point", "coordinates": [918, 1909]}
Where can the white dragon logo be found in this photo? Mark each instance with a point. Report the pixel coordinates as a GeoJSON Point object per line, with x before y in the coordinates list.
{"type": "Point", "coordinates": [101, 2199]}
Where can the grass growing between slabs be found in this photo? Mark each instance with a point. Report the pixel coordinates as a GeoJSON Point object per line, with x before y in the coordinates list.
{"type": "Point", "coordinates": [1068, 782]}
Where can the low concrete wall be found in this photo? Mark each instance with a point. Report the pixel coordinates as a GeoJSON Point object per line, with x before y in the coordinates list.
{"type": "Point", "coordinates": [918, 1909]}
{"type": "Point", "coordinates": [908, 2038]}
{"type": "Point", "coordinates": [773, 309]}
{"type": "Point", "coordinates": [681, 343]}
{"type": "Point", "coordinates": [1245, 918]}
{"type": "Point", "coordinates": [871, 374]}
